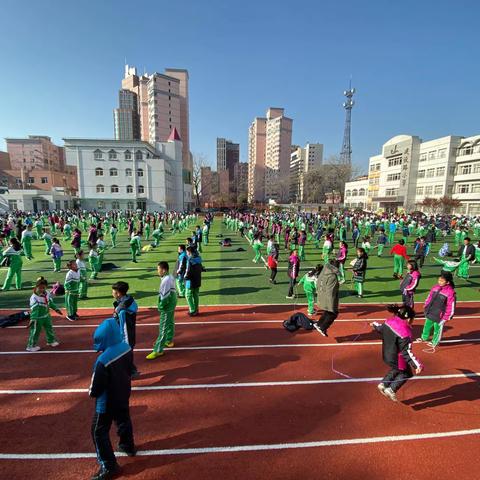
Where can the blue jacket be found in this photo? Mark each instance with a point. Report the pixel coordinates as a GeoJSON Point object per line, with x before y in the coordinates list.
{"type": "Point", "coordinates": [111, 379]}
{"type": "Point", "coordinates": [193, 273]}
{"type": "Point", "coordinates": [126, 315]}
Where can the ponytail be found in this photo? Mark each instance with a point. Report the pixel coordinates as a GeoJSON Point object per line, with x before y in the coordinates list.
{"type": "Point", "coordinates": [403, 311]}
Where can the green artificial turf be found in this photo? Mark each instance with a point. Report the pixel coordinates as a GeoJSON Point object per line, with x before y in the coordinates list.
{"type": "Point", "coordinates": [231, 277]}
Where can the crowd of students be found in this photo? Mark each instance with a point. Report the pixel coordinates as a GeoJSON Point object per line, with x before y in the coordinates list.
{"type": "Point", "coordinates": [330, 234]}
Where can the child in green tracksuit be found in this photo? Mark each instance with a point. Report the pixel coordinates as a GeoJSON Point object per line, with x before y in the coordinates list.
{"type": "Point", "coordinates": [56, 253]}
{"type": "Point", "coordinates": [113, 235]}
{"type": "Point", "coordinates": [257, 248]}
{"type": "Point", "coordinates": [93, 260]}
{"type": "Point", "coordinates": [72, 285]}
{"type": "Point", "coordinates": [40, 304]}
{"type": "Point", "coordinates": [135, 246]}
{"type": "Point", "coordinates": [167, 301]}
{"type": "Point", "coordinates": [450, 265]}
{"type": "Point", "coordinates": [14, 255]}
{"type": "Point", "coordinates": [101, 247]}
{"type": "Point", "coordinates": [47, 238]}
{"type": "Point", "coordinates": [205, 233]}
{"type": "Point", "coordinates": [27, 236]}
{"type": "Point", "coordinates": [157, 234]}
{"type": "Point", "coordinates": [309, 282]}
{"type": "Point", "coordinates": [82, 269]}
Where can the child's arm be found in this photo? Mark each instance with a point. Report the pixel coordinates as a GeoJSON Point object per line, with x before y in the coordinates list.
{"type": "Point", "coordinates": [439, 261]}
{"type": "Point", "coordinates": [405, 346]}
{"type": "Point", "coordinates": [53, 306]}
{"type": "Point", "coordinates": [450, 309]}
{"type": "Point", "coordinates": [99, 381]}
{"type": "Point", "coordinates": [377, 326]}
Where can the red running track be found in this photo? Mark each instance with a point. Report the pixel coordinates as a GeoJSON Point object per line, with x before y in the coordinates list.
{"type": "Point", "coordinates": [168, 420]}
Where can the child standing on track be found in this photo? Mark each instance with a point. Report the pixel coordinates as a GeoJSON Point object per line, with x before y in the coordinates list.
{"type": "Point", "coordinates": [167, 301]}
{"type": "Point", "coordinates": [193, 280]}
{"type": "Point", "coordinates": [40, 304]}
{"type": "Point", "coordinates": [72, 285]}
{"type": "Point", "coordinates": [397, 350]}
{"type": "Point", "coordinates": [93, 260]}
{"type": "Point", "coordinates": [439, 308]}
{"type": "Point", "coordinates": [47, 239]}
{"type": "Point", "coordinates": [410, 283]}
{"type": "Point", "coordinates": [309, 281]}
{"type": "Point", "coordinates": [82, 269]}
{"type": "Point", "coordinates": [135, 246]}
{"type": "Point", "coordinates": [257, 248]}
{"type": "Point", "coordinates": [328, 288]}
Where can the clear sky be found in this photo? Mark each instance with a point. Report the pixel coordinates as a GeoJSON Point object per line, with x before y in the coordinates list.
{"type": "Point", "coordinates": [414, 64]}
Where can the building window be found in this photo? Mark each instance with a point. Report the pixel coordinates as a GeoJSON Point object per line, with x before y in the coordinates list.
{"type": "Point", "coordinates": [465, 150]}
{"type": "Point", "coordinates": [419, 191]}
{"type": "Point", "coordinates": [474, 209]}
{"type": "Point", "coordinates": [348, 193]}
{"type": "Point", "coordinates": [130, 205]}
{"type": "Point", "coordinates": [100, 189]}
{"type": "Point", "coordinates": [18, 181]}
{"type": "Point", "coordinates": [432, 155]}
{"type": "Point", "coordinates": [140, 172]}
{"type": "Point", "coordinates": [12, 205]}
{"type": "Point", "coordinates": [44, 180]}
{"type": "Point", "coordinates": [442, 153]}
{"type": "Point", "coordinates": [138, 155]}
{"type": "Point", "coordinates": [392, 162]}
{"type": "Point", "coordinates": [100, 204]}
{"type": "Point", "coordinates": [115, 205]}
{"type": "Point", "coordinates": [113, 172]}
{"type": "Point", "coordinates": [391, 177]}
{"type": "Point", "coordinates": [128, 155]}
{"type": "Point", "coordinates": [141, 189]}
{"type": "Point", "coordinates": [423, 157]}
{"type": "Point", "coordinates": [114, 189]}
{"type": "Point", "coordinates": [428, 190]}
{"type": "Point", "coordinates": [391, 192]}
{"type": "Point", "coordinates": [128, 172]}
{"type": "Point", "coordinates": [450, 189]}
{"type": "Point", "coordinates": [112, 155]}
{"type": "Point", "coordinates": [98, 155]}
{"type": "Point", "coordinates": [421, 174]}
{"type": "Point", "coordinates": [57, 204]}
{"type": "Point", "coordinates": [99, 172]}
{"type": "Point", "coordinates": [438, 189]}
{"type": "Point", "coordinates": [129, 189]}
{"type": "Point", "coordinates": [465, 169]}
{"type": "Point", "coordinates": [475, 187]}
{"type": "Point", "coordinates": [430, 172]}
{"type": "Point", "coordinates": [31, 180]}
{"type": "Point", "coordinates": [463, 188]}
{"type": "Point", "coordinates": [354, 192]}
{"type": "Point", "coordinates": [476, 168]}
{"type": "Point", "coordinates": [440, 171]}
{"type": "Point", "coordinates": [361, 192]}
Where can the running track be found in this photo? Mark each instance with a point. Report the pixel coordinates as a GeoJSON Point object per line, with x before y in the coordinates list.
{"type": "Point", "coordinates": [241, 397]}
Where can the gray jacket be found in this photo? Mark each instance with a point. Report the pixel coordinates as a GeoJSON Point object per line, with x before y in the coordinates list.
{"type": "Point", "coordinates": [328, 288]}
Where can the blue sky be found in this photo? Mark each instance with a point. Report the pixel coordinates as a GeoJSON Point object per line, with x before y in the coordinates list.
{"type": "Point", "coordinates": [414, 64]}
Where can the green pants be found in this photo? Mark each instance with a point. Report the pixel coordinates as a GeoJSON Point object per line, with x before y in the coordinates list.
{"type": "Point", "coordinates": [27, 247]}
{"type": "Point", "coordinates": [48, 246]}
{"type": "Point", "coordinates": [192, 295]}
{"type": "Point", "coordinates": [359, 288]}
{"type": "Point", "coordinates": [36, 328]}
{"type": "Point", "coordinates": [83, 287]}
{"type": "Point", "coordinates": [301, 252]}
{"type": "Point", "coordinates": [311, 302]}
{"type": "Point", "coordinates": [381, 246]}
{"type": "Point", "coordinates": [437, 331]}
{"type": "Point", "coordinates": [114, 240]}
{"type": "Point", "coordinates": [71, 303]}
{"type": "Point", "coordinates": [166, 329]}
{"type": "Point", "coordinates": [205, 239]}
{"type": "Point", "coordinates": [397, 264]}
{"type": "Point", "coordinates": [13, 272]}
{"type": "Point", "coordinates": [93, 266]}
{"type": "Point", "coordinates": [180, 287]}
{"type": "Point", "coordinates": [134, 252]}
{"type": "Point", "coordinates": [341, 272]}
{"type": "Point", "coordinates": [57, 264]}
{"type": "Point", "coordinates": [258, 255]}
{"type": "Point", "coordinates": [463, 270]}
{"type": "Point", "coordinates": [391, 237]}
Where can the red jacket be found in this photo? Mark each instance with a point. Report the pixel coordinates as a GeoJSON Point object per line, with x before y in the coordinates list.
{"type": "Point", "coordinates": [400, 250]}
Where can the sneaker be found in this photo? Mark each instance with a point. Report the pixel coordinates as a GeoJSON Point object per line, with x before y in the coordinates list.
{"type": "Point", "coordinates": [106, 474]}
{"type": "Point", "coordinates": [154, 355]}
{"type": "Point", "coordinates": [431, 344]}
{"type": "Point", "coordinates": [420, 340]}
{"type": "Point", "coordinates": [381, 387]}
{"type": "Point", "coordinates": [289, 297]}
{"type": "Point", "coordinates": [389, 393]}
{"type": "Point", "coordinates": [130, 452]}
{"type": "Point", "coordinates": [36, 348]}
{"type": "Point", "coordinates": [53, 344]}
{"type": "Point", "coordinates": [360, 296]}
{"type": "Point", "coordinates": [193, 314]}
{"type": "Point", "coordinates": [319, 330]}
{"type": "Point", "coordinates": [169, 344]}
{"type": "Point", "coordinates": [70, 319]}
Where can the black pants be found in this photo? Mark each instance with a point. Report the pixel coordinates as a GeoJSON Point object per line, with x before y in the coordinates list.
{"type": "Point", "coordinates": [326, 320]}
{"type": "Point", "coordinates": [407, 299]}
{"type": "Point", "coordinates": [293, 281]}
{"type": "Point", "coordinates": [420, 260]}
{"type": "Point", "coordinates": [395, 378]}
{"type": "Point", "coordinates": [273, 274]}
{"type": "Point", "coordinates": [101, 424]}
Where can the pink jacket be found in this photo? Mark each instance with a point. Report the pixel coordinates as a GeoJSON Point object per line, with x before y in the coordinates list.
{"type": "Point", "coordinates": [440, 303]}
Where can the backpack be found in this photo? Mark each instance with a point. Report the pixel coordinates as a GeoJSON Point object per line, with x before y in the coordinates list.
{"type": "Point", "coordinates": [297, 321]}
{"type": "Point", "coordinates": [57, 289]}
{"type": "Point", "coordinates": [13, 319]}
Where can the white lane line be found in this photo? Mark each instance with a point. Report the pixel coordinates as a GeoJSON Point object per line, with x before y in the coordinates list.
{"type": "Point", "coordinates": [240, 347]}
{"type": "Point", "coordinates": [250, 448]}
{"type": "Point", "coordinates": [200, 386]}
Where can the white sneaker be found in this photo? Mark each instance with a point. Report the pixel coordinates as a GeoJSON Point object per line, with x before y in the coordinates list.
{"type": "Point", "coordinates": [389, 393]}
{"type": "Point", "coordinates": [381, 387]}
{"type": "Point", "coordinates": [53, 344]}
{"type": "Point", "coordinates": [420, 340]}
{"type": "Point", "coordinates": [70, 319]}
{"type": "Point", "coordinates": [36, 348]}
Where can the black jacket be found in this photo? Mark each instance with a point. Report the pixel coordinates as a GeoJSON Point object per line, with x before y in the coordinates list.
{"type": "Point", "coordinates": [470, 253]}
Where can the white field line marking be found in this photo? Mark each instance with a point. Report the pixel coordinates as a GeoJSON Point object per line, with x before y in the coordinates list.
{"type": "Point", "coordinates": [233, 322]}
{"type": "Point", "coordinates": [250, 448]}
{"type": "Point", "coordinates": [241, 347]}
{"type": "Point", "coordinates": [241, 385]}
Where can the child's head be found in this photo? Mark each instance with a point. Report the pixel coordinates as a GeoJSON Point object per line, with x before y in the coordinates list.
{"type": "Point", "coordinates": [72, 265]}
{"type": "Point", "coordinates": [294, 253]}
{"type": "Point", "coordinates": [343, 244]}
{"type": "Point", "coordinates": [360, 252]}
{"type": "Point", "coordinates": [93, 246]}
{"type": "Point", "coordinates": [412, 266]}
{"type": "Point", "coordinates": [40, 286]}
{"type": "Point", "coordinates": [15, 244]}
{"type": "Point", "coordinates": [401, 241]}
{"type": "Point", "coordinates": [162, 268]}
{"type": "Point", "coordinates": [446, 278]}
{"type": "Point", "coordinates": [119, 289]}
{"type": "Point", "coordinates": [80, 254]}
{"type": "Point", "coordinates": [181, 248]}
{"type": "Point", "coordinates": [403, 311]}
{"type": "Point", "coordinates": [189, 240]}
{"type": "Point", "coordinates": [190, 251]}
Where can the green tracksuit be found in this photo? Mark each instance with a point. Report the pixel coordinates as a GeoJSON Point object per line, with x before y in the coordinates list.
{"type": "Point", "coordinates": [257, 248]}
{"type": "Point", "coordinates": [93, 261]}
{"type": "Point", "coordinates": [83, 287]}
{"type": "Point", "coordinates": [113, 235]}
{"type": "Point", "coordinates": [167, 301]}
{"type": "Point", "coordinates": [205, 232]}
{"type": "Point", "coordinates": [27, 243]}
{"type": "Point", "coordinates": [72, 285]}
{"type": "Point", "coordinates": [47, 238]}
{"type": "Point", "coordinates": [135, 247]}
{"type": "Point", "coordinates": [157, 234]}
{"type": "Point", "coordinates": [147, 231]}
{"type": "Point", "coordinates": [14, 269]}
{"type": "Point", "coordinates": [40, 319]}
{"type": "Point", "coordinates": [309, 287]}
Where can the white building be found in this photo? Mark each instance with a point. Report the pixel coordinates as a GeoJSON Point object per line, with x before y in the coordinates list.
{"type": "Point", "coordinates": [32, 200]}
{"type": "Point", "coordinates": [356, 193]}
{"type": "Point", "coordinates": [118, 174]}
{"type": "Point", "coordinates": [302, 161]}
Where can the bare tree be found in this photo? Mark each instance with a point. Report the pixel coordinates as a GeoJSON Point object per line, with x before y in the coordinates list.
{"type": "Point", "coordinates": [199, 162]}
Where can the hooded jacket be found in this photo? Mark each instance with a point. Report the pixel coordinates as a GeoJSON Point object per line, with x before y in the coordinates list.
{"type": "Point", "coordinates": [410, 283]}
{"type": "Point", "coordinates": [440, 303]}
{"type": "Point", "coordinates": [328, 288]}
{"type": "Point", "coordinates": [125, 312]}
{"type": "Point", "coordinates": [111, 380]}
{"type": "Point", "coordinates": [193, 272]}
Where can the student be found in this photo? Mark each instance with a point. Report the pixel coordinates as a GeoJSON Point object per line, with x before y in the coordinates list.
{"type": "Point", "coordinates": [180, 269]}
{"type": "Point", "coordinates": [397, 350]}
{"type": "Point", "coordinates": [302, 239]}
{"type": "Point", "coordinates": [40, 304]}
{"type": "Point", "coordinates": [101, 247]}
{"type": "Point", "coordinates": [47, 239]}
{"type": "Point", "coordinates": [93, 260]}
{"type": "Point", "coordinates": [257, 248]}
{"type": "Point", "coordinates": [125, 312]}
{"type": "Point", "coordinates": [76, 242]}
{"type": "Point", "coordinates": [56, 253]}
{"type": "Point", "coordinates": [359, 269]}
{"type": "Point", "coordinates": [272, 262]}
{"type": "Point", "coordinates": [82, 269]}
{"type": "Point", "coordinates": [27, 236]}
{"type": "Point", "coordinates": [270, 243]}
{"type": "Point", "coordinates": [293, 271]}
{"type": "Point", "coordinates": [341, 259]}
{"type": "Point", "coordinates": [13, 256]}
{"type": "Point", "coordinates": [328, 288]}
{"type": "Point", "coordinates": [111, 386]}
{"type": "Point", "coordinates": [309, 281]}
{"type": "Point", "coordinates": [439, 308]}
{"type": "Point", "coordinates": [135, 246]}
{"type": "Point", "coordinates": [156, 235]}
{"type": "Point", "coordinates": [366, 245]}
{"type": "Point", "coordinates": [205, 233]}
{"type": "Point", "coordinates": [167, 301]}
{"type": "Point", "coordinates": [381, 242]}
{"type": "Point", "coordinates": [410, 283]}
{"type": "Point", "coordinates": [467, 253]}
{"type": "Point", "coordinates": [399, 252]}
{"type": "Point", "coordinates": [113, 235]}
{"type": "Point", "coordinates": [193, 281]}
{"type": "Point", "coordinates": [449, 265]}
{"type": "Point", "coordinates": [421, 251]}
{"type": "Point", "coordinates": [72, 285]}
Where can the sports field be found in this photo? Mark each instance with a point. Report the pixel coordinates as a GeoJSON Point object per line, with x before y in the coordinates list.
{"type": "Point", "coordinates": [231, 277]}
